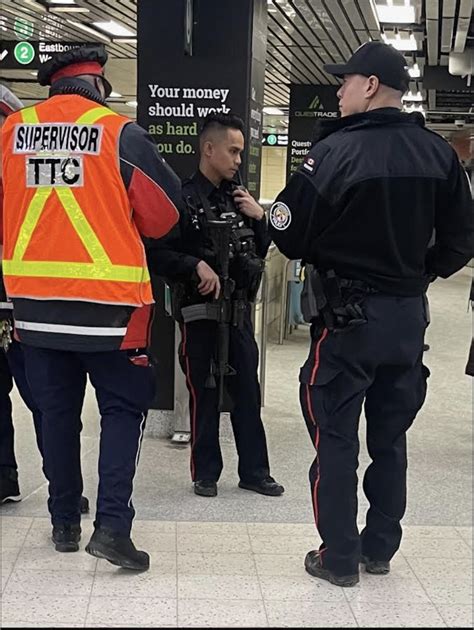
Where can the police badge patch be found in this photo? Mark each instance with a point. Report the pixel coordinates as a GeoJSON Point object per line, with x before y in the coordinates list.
{"type": "Point", "coordinates": [280, 216]}
{"type": "Point", "coordinates": [309, 164]}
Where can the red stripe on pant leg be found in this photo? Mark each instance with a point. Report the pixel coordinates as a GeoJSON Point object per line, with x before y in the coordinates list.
{"type": "Point", "coordinates": [316, 355]}
{"type": "Point", "coordinates": [193, 417]}
{"type": "Point", "coordinates": [317, 359]}
{"type": "Point", "coordinates": [316, 446]}
{"type": "Point", "coordinates": [193, 404]}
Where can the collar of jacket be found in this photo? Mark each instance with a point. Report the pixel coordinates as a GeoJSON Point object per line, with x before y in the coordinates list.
{"type": "Point", "coordinates": [206, 186]}
{"type": "Point", "coordinates": [77, 87]}
{"type": "Point", "coordinates": [376, 117]}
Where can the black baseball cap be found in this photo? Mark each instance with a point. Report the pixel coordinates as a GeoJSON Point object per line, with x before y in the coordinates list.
{"type": "Point", "coordinates": [375, 58]}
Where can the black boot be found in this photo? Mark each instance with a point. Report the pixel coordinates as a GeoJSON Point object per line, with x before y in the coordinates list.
{"type": "Point", "coordinates": [312, 564]}
{"type": "Point", "coordinates": [117, 549]}
{"type": "Point", "coordinates": [66, 537]}
{"type": "Point", "coordinates": [267, 486]}
{"type": "Point", "coordinates": [9, 488]}
{"type": "Point", "coordinates": [205, 488]}
{"type": "Point", "coordinates": [376, 567]}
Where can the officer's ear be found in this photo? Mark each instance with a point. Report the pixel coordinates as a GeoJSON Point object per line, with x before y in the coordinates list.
{"type": "Point", "coordinates": [207, 148]}
{"type": "Point", "coordinates": [372, 86]}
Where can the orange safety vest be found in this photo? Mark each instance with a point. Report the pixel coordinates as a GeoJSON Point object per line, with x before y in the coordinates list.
{"type": "Point", "coordinates": [68, 224]}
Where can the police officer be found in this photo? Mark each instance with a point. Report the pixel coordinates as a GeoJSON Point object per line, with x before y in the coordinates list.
{"type": "Point", "coordinates": [360, 212]}
{"type": "Point", "coordinates": [12, 365]}
{"type": "Point", "coordinates": [192, 263]}
{"type": "Point", "coordinates": [81, 185]}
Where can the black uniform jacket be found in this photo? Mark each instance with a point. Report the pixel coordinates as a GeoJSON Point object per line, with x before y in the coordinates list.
{"type": "Point", "coordinates": [367, 198]}
{"type": "Point", "coordinates": [176, 255]}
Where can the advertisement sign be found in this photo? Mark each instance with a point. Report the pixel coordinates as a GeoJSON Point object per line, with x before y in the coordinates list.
{"type": "Point", "coordinates": [309, 104]}
{"type": "Point", "coordinates": [195, 59]}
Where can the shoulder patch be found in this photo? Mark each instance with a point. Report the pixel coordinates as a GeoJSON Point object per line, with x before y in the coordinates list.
{"type": "Point", "coordinates": [280, 216]}
{"type": "Point", "coordinates": [309, 164]}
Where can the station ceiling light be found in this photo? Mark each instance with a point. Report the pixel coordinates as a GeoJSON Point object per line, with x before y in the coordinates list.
{"type": "Point", "coordinates": [401, 43]}
{"type": "Point", "coordinates": [413, 96]}
{"type": "Point", "coordinates": [88, 29]}
{"type": "Point", "coordinates": [114, 28]}
{"type": "Point", "coordinates": [414, 71]}
{"type": "Point", "coordinates": [273, 111]}
{"type": "Point", "coordinates": [396, 14]}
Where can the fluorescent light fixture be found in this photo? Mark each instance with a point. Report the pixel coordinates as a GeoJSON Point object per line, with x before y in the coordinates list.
{"type": "Point", "coordinates": [396, 14]}
{"type": "Point", "coordinates": [407, 43]}
{"type": "Point", "coordinates": [414, 108]}
{"type": "Point", "coordinates": [36, 5]}
{"type": "Point", "coordinates": [273, 111]}
{"type": "Point", "coordinates": [69, 10]}
{"type": "Point", "coordinates": [89, 30]}
{"type": "Point", "coordinates": [124, 40]}
{"type": "Point", "coordinates": [411, 96]}
{"type": "Point", "coordinates": [414, 71]}
{"type": "Point", "coordinates": [133, 104]}
{"type": "Point", "coordinates": [114, 95]}
{"type": "Point", "coordinates": [62, 1]}
{"type": "Point", "coordinates": [114, 28]}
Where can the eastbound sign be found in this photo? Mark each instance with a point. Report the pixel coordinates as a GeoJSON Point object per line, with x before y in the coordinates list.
{"type": "Point", "coordinates": [16, 55]}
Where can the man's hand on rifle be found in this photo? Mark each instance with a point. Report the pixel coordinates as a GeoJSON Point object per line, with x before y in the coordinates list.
{"type": "Point", "coordinates": [210, 282]}
{"type": "Point", "coordinates": [247, 204]}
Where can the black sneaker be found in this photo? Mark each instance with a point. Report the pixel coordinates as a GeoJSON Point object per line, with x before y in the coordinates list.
{"type": "Point", "coordinates": [9, 488]}
{"type": "Point", "coordinates": [376, 567]}
{"type": "Point", "coordinates": [66, 537]}
{"type": "Point", "coordinates": [312, 564]}
{"type": "Point", "coordinates": [205, 488]}
{"type": "Point", "coordinates": [105, 543]}
{"type": "Point", "coordinates": [267, 486]}
{"type": "Point", "coordinates": [84, 505]}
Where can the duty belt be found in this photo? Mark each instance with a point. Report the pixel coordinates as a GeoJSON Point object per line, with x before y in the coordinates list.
{"type": "Point", "coordinates": [337, 302]}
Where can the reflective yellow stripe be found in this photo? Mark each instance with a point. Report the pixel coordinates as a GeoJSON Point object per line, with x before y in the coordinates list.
{"type": "Point", "coordinates": [30, 221]}
{"type": "Point", "coordinates": [29, 115]}
{"type": "Point", "coordinates": [79, 271]}
{"type": "Point", "coordinates": [81, 225]}
{"type": "Point", "coordinates": [93, 115]}
{"type": "Point", "coordinates": [101, 268]}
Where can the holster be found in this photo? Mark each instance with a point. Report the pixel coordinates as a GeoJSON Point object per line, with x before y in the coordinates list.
{"type": "Point", "coordinates": [335, 302]}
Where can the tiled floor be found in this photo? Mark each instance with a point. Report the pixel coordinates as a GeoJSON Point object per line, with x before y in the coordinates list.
{"type": "Point", "coordinates": [237, 560]}
{"type": "Point", "coordinates": [230, 574]}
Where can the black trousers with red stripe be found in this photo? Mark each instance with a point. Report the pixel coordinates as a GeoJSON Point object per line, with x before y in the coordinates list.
{"type": "Point", "coordinates": [197, 349]}
{"type": "Point", "coordinates": [379, 366]}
